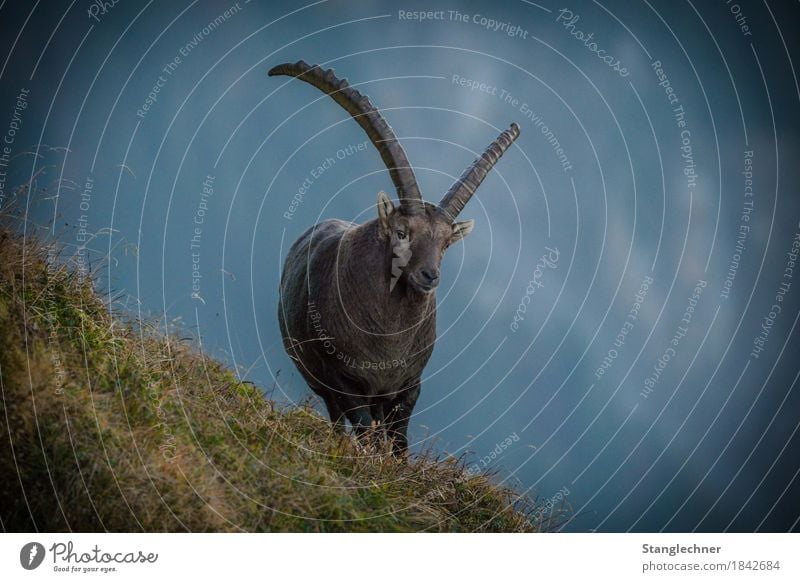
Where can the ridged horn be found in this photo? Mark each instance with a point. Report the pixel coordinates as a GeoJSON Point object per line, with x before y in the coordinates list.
{"type": "Point", "coordinates": [462, 190]}
{"type": "Point", "coordinates": [369, 118]}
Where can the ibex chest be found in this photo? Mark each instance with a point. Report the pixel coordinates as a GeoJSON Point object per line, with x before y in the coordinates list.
{"type": "Point", "coordinates": [373, 352]}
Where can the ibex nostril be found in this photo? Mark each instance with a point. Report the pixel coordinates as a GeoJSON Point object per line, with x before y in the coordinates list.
{"type": "Point", "coordinates": [430, 275]}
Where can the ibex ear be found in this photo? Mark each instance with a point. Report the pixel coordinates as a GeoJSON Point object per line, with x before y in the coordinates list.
{"type": "Point", "coordinates": [385, 211]}
{"type": "Point", "coordinates": [461, 229]}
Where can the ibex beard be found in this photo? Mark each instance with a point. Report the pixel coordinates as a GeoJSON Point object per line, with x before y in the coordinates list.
{"type": "Point", "coordinates": [369, 290]}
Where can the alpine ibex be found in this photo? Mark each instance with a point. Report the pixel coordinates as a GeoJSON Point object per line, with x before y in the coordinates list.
{"type": "Point", "coordinates": [357, 307]}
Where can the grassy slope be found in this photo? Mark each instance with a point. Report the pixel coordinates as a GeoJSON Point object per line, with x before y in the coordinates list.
{"type": "Point", "coordinates": [113, 426]}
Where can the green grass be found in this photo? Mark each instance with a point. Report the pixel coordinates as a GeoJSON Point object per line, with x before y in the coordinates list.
{"type": "Point", "coordinates": [109, 425]}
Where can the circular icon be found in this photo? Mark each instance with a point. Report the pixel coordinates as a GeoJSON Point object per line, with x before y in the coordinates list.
{"type": "Point", "coordinates": [31, 555]}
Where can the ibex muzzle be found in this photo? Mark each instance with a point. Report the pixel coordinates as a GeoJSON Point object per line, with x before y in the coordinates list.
{"type": "Point", "coordinates": [357, 306]}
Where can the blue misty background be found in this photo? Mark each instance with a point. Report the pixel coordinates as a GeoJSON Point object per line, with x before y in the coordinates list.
{"type": "Point", "coordinates": [713, 446]}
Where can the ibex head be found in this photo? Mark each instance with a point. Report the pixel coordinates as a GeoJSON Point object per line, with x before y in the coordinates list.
{"type": "Point", "coordinates": [417, 232]}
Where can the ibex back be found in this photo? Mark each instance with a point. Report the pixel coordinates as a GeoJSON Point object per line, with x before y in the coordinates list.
{"type": "Point", "coordinates": [357, 306]}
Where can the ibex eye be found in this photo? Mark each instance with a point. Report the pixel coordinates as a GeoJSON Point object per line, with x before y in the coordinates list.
{"type": "Point", "coordinates": [401, 234]}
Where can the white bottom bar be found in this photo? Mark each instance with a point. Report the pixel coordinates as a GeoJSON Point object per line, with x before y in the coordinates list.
{"type": "Point", "coordinates": [401, 557]}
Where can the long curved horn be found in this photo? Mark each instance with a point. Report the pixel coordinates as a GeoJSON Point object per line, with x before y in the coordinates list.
{"type": "Point", "coordinates": [462, 190]}
{"type": "Point", "coordinates": [369, 118]}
